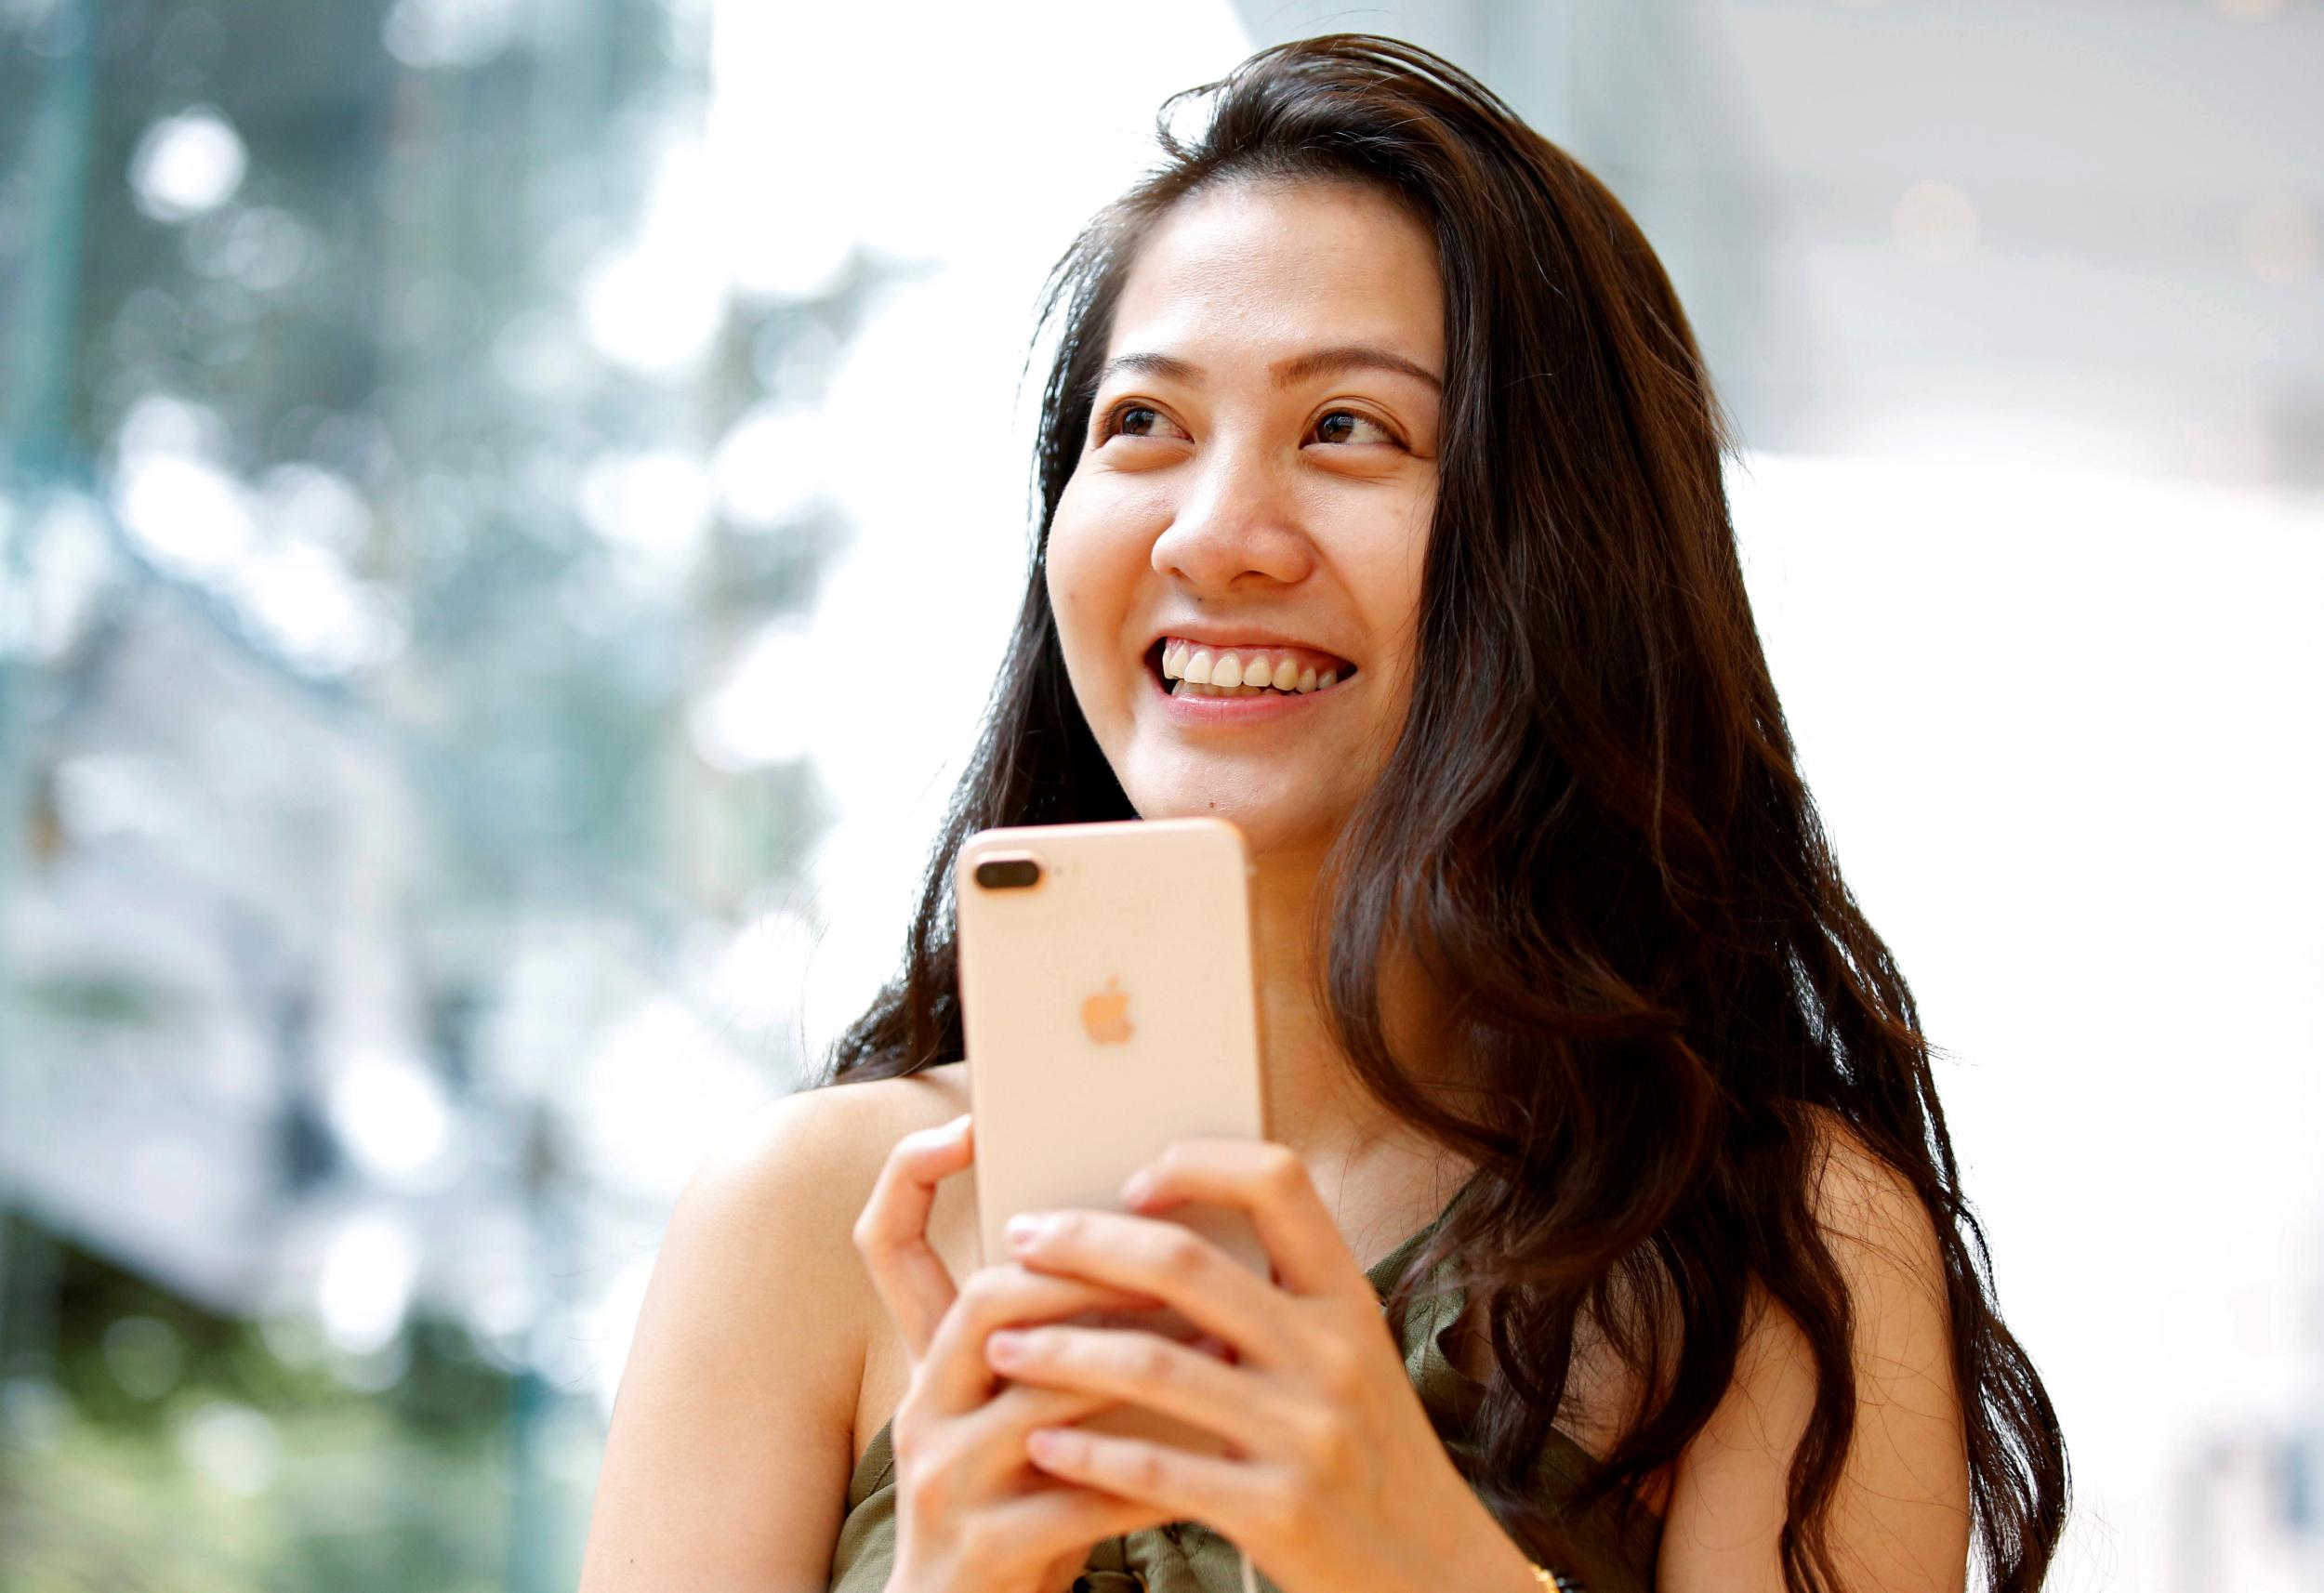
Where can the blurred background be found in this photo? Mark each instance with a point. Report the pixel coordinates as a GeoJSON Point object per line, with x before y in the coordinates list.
{"type": "Point", "coordinates": [510, 507]}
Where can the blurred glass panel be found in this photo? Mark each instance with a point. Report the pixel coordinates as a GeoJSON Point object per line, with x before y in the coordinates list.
{"type": "Point", "coordinates": [380, 952]}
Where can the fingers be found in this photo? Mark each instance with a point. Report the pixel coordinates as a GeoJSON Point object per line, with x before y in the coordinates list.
{"type": "Point", "coordinates": [1071, 1519]}
{"type": "Point", "coordinates": [1126, 1367]}
{"type": "Point", "coordinates": [981, 1455]}
{"type": "Point", "coordinates": [1269, 1182]}
{"type": "Point", "coordinates": [969, 1492]}
{"type": "Point", "coordinates": [957, 1375]}
{"type": "Point", "coordinates": [994, 1432]}
{"type": "Point", "coordinates": [892, 1232]}
{"type": "Point", "coordinates": [1252, 1505]}
{"type": "Point", "coordinates": [1162, 1259]}
{"type": "Point", "coordinates": [969, 1481]}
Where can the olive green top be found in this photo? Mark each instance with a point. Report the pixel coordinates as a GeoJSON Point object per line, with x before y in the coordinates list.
{"type": "Point", "coordinates": [1187, 1558]}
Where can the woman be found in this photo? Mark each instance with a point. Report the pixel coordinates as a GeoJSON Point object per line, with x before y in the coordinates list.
{"type": "Point", "coordinates": [1582, 1061]}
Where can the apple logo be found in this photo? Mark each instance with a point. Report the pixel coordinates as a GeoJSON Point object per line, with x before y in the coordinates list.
{"type": "Point", "coordinates": [1106, 1014]}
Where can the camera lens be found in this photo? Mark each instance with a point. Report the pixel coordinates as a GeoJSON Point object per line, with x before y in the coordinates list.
{"type": "Point", "coordinates": [1009, 873]}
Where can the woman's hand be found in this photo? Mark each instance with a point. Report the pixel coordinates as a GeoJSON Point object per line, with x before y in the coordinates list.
{"type": "Point", "coordinates": [1336, 1483]}
{"type": "Point", "coordinates": [971, 1515]}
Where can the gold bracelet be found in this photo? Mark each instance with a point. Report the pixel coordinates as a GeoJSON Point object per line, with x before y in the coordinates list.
{"type": "Point", "coordinates": [1552, 1582]}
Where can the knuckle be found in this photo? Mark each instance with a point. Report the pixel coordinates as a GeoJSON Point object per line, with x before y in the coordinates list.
{"type": "Point", "coordinates": [1344, 1366]}
{"type": "Point", "coordinates": [1181, 1257]}
{"type": "Point", "coordinates": [1152, 1362]}
{"type": "Point", "coordinates": [1281, 1170]}
{"type": "Point", "coordinates": [1322, 1439]}
{"type": "Point", "coordinates": [1039, 1347]}
{"type": "Point", "coordinates": [926, 1487]}
{"type": "Point", "coordinates": [1145, 1469]}
{"type": "Point", "coordinates": [980, 1541]}
{"type": "Point", "coordinates": [1279, 1506]}
{"type": "Point", "coordinates": [1336, 1366]}
{"type": "Point", "coordinates": [1021, 1407]}
{"type": "Point", "coordinates": [906, 1435]}
{"type": "Point", "coordinates": [982, 1292]}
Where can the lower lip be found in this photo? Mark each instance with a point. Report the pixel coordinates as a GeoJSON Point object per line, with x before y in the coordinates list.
{"type": "Point", "coordinates": [1263, 709]}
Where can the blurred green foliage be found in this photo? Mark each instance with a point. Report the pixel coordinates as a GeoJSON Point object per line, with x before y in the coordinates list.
{"type": "Point", "coordinates": [231, 1468]}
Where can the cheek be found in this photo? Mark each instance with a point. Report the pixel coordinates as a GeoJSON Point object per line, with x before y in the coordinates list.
{"type": "Point", "coordinates": [1387, 580]}
{"type": "Point", "coordinates": [1067, 568]}
{"type": "Point", "coordinates": [1087, 592]}
{"type": "Point", "coordinates": [1098, 543]}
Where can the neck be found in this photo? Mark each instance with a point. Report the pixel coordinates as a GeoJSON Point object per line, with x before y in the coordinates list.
{"type": "Point", "coordinates": [1314, 1102]}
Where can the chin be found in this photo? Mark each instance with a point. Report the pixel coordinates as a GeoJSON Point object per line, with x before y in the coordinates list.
{"type": "Point", "coordinates": [1268, 828]}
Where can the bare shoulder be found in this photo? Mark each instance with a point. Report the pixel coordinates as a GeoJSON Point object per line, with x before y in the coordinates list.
{"type": "Point", "coordinates": [1900, 1515]}
{"type": "Point", "coordinates": [730, 1449]}
{"type": "Point", "coordinates": [782, 1194]}
{"type": "Point", "coordinates": [1880, 1231]}
{"type": "Point", "coordinates": [1884, 1241]}
{"type": "Point", "coordinates": [820, 1150]}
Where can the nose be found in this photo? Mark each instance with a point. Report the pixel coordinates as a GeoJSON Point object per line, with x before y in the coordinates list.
{"type": "Point", "coordinates": [1239, 518]}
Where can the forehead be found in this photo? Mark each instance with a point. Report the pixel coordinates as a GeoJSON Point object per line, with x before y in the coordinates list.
{"type": "Point", "coordinates": [1245, 272]}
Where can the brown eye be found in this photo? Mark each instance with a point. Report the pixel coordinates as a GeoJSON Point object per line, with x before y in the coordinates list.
{"type": "Point", "coordinates": [1339, 425]}
{"type": "Point", "coordinates": [1131, 420]}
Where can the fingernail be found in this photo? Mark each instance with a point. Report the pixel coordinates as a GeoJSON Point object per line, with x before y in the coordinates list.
{"type": "Point", "coordinates": [1004, 1345]}
{"type": "Point", "coordinates": [1136, 1188]}
{"type": "Point", "coordinates": [1025, 1229]}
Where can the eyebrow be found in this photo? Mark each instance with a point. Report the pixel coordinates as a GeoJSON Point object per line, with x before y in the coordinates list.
{"type": "Point", "coordinates": [1299, 368]}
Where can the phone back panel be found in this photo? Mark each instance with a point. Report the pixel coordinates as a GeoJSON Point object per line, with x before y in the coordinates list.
{"type": "Point", "coordinates": [1109, 1010]}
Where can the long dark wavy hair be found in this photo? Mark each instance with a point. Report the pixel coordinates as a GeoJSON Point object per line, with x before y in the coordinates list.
{"type": "Point", "coordinates": [1608, 863]}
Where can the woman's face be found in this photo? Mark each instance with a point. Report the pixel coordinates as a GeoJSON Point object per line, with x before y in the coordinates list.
{"type": "Point", "coordinates": [1257, 482]}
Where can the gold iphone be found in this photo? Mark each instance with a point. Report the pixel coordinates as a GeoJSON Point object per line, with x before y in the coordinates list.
{"type": "Point", "coordinates": [1110, 999]}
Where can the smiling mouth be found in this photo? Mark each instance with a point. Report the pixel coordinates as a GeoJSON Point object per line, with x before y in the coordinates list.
{"type": "Point", "coordinates": [1200, 669]}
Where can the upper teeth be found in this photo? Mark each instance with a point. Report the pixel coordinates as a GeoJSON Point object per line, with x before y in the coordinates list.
{"type": "Point", "coordinates": [1285, 669]}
